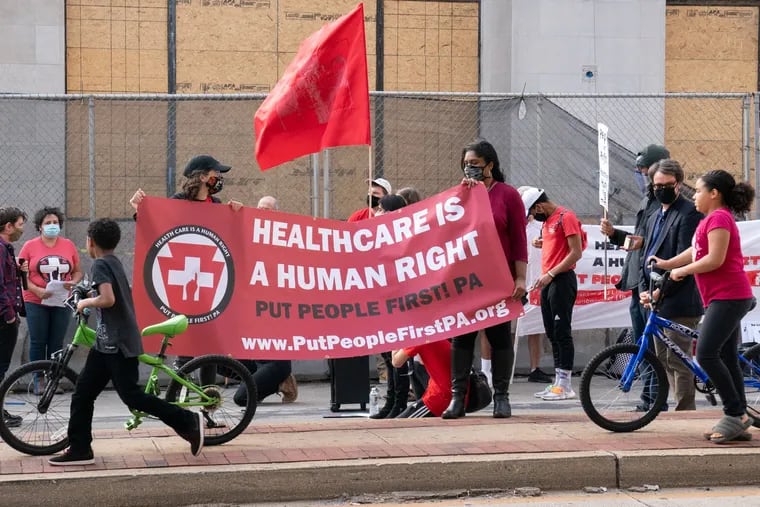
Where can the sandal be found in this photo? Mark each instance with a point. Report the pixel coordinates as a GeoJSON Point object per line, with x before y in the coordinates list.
{"type": "Point", "coordinates": [729, 428]}
{"type": "Point", "coordinates": [744, 436]}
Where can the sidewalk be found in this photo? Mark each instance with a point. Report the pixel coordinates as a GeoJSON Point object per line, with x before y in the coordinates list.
{"type": "Point", "coordinates": [550, 446]}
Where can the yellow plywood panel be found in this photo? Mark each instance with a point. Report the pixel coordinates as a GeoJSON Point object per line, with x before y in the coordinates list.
{"type": "Point", "coordinates": [244, 29]}
{"type": "Point", "coordinates": [708, 49]}
{"type": "Point", "coordinates": [152, 34]}
{"type": "Point", "coordinates": [73, 33]}
{"type": "Point", "coordinates": [153, 64]}
{"type": "Point", "coordinates": [412, 8]}
{"type": "Point", "coordinates": [707, 46]}
{"type": "Point", "coordinates": [225, 71]}
{"type": "Point", "coordinates": [411, 41]}
{"type": "Point", "coordinates": [95, 33]}
{"type": "Point", "coordinates": [709, 75]}
{"type": "Point", "coordinates": [118, 35]}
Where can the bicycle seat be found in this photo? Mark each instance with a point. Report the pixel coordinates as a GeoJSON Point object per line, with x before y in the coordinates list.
{"type": "Point", "coordinates": [169, 327]}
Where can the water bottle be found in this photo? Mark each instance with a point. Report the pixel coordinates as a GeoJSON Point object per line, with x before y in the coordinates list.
{"type": "Point", "coordinates": [374, 401]}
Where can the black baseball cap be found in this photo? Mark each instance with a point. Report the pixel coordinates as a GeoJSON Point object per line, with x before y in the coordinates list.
{"type": "Point", "coordinates": [651, 154]}
{"type": "Point", "coordinates": [204, 163]}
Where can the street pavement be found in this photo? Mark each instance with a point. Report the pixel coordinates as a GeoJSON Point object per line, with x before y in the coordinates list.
{"type": "Point", "coordinates": [303, 451]}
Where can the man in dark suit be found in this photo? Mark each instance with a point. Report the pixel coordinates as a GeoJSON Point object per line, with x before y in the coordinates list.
{"type": "Point", "coordinates": [668, 232]}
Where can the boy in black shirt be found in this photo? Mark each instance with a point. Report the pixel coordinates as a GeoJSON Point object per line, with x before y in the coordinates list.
{"type": "Point", "coordinates": [114, 355]}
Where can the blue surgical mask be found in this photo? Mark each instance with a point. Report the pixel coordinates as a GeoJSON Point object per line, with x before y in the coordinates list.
{"type": "Point", "coordinates": [51, 230]}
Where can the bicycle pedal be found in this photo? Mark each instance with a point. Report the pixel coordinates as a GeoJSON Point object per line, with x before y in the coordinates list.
{"type": "Point", "coordinates": [711, 399]}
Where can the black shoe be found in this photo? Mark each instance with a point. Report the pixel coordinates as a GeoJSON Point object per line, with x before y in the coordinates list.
{"type": "Point", "coordinates": [12, 421]}
{"type": "Point", "coordinates": [539, 377]}
{"type": "Point", "coordinates": [195, 435]}
{"type": "Point", "coordinates": [73, 458]}
{"type": "Point", "coordinates": [395, 411]}
{"type": "Point", "coordinates": [501, 407]}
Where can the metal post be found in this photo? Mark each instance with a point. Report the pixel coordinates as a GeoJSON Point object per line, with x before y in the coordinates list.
{"type": "Point", "coordinates": [171, 105]}
{"type": "Point", "coordinates": [326, 183]}
{"type": "Point", "coordinates": [314, 184]}
{"type": "Point", "coordinates": [91, 152]}
{"type": "Point", "coordinates": [756, 212]}
{"type": "Point", "coordinates": [745, 136]}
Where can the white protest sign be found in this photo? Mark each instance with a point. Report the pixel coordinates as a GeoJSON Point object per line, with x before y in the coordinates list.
{"type": "Point", "coordinates": [604, 166]}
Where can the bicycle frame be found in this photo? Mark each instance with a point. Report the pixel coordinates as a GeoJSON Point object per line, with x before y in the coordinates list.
{"type": "Point", "coordinates": [655, 329]}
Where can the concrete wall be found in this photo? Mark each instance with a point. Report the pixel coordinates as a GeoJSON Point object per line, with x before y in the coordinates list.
{"type": "Point", "coordinates": [32, 47]}
{"type": "Point", "coordinates": [549, 46]}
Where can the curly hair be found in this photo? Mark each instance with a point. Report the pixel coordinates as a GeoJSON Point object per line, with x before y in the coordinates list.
{"type": "Point", "coordinates": [105, 233]}
{"type": "Point", "coordinates": [40, 215]}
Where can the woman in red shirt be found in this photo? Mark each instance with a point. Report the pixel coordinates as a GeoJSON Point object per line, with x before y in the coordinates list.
{"type": "Point", "coordinates": [480, 164]}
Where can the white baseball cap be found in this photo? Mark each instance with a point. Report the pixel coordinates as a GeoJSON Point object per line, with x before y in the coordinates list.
{"type": "Point", "coordinates": [382, 182]}
{"type": "Point", "coordinates": [529, 196]}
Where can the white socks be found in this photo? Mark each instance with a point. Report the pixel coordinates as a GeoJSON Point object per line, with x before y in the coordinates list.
{"type": "Point", "coordinates": [485, 367]}
{"type": "Point", "coordinates": [562, 378]}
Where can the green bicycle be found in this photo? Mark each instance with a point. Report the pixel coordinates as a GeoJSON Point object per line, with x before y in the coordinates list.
{"type": "Point", "coordinates": [35, 391]}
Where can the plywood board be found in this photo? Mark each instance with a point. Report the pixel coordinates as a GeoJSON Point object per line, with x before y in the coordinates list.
{"type": "Point", "coordinates": [247, 44]}
{"type": "Point", "coordinates": [708, 49]}
{"type": "Point", "coordinates": [422, 42]}
{"type": "Point", "coordinates": [97, 31]}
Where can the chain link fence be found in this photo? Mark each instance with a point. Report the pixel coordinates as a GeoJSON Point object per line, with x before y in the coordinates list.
{"type": "Point", "coordinates": [88, 154]}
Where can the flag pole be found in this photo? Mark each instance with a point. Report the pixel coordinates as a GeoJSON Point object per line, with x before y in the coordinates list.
{"type": "Point", "coordinates": [369, 175]}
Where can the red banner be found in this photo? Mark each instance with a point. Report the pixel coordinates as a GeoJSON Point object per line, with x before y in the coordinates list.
{"type": "Point", "coordinates": [270, 285]}
{"type": "Point", "coordinates": [322, 99]}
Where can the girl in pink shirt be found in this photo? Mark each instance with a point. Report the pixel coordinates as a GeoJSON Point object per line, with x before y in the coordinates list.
{"type": "Point", "coordinates": [716, 261]}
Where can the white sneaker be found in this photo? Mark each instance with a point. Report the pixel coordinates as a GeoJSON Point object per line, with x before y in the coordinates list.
{"type": "Point", "coordinates": [559, 393]}
{"type": "Point", "coordinates": [546, 391]}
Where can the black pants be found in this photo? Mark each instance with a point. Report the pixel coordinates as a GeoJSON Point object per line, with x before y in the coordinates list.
{"type": "Point", "coordinates": [557, 302]}
{"type": "Point", "coordinates": [123, 372]}
{"type": "Point", "coordinates": [8, 337]}
{"type": "Point", "coordinates": [499, 337]}
{"type": "Point", "coordinates": [268, 375]}
{"type": "Point", "coordinates": [717, 351]}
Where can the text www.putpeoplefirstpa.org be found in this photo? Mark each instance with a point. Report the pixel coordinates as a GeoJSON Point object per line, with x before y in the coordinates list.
{"type": "Point", "coordinates": [369, 342]}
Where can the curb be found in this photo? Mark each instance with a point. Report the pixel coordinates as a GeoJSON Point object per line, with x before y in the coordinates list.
{"type": "Point", "coordinates": [328, 480]}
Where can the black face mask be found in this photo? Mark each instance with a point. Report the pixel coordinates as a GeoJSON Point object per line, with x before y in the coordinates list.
{"type": "Point", "coordinates": [373, 201]}
{"type": "Point", "coordinates": [215, 185]}
{"type": "Point", "coordinates": [541, 217]}
{"type": "Point", "coordinates": [474, 172]}
{"type": "Point", "coordinates": [665, 195]}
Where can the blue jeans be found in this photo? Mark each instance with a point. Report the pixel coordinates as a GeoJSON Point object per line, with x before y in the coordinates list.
{"type": "Point", "coordinates": [47, 327]}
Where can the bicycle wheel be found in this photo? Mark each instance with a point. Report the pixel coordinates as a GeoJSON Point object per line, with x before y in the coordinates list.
{"type": "Point", "coordinates": [233, 395]}
{"type": "Point", "coordinates": [34, 393]}
{"type": "Point", "coordinates": [752, 382]}
{"type": "Point", "coordinates": [603, 398]}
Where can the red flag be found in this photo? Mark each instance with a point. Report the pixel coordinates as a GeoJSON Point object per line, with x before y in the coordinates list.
{"type": "Point", "coordinates": [322, 99]}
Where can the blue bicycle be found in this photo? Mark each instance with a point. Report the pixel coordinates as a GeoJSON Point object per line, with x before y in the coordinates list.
{"type": "Point", "coordinates": [614, 379]}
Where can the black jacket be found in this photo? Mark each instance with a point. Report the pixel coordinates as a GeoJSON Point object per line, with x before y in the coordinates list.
{"type": "Point", "coordinates": [677, 231]}
{"type": "Point", "coordinates": [629, 278]}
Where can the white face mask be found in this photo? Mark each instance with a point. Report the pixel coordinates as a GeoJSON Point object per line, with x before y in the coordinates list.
{"type": "Point", "coordinates": [51, 230]}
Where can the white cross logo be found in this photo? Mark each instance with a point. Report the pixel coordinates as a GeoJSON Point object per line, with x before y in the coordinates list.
{"type": "Point", "coordinates": [191, 277]}
{"type": "Point", "coordinates": [55, 266]}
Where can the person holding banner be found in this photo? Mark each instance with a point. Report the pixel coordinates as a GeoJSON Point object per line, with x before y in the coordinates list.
{"type": "Point", "coordinates": [716, 261]}
{"type": "Point", "coordinates": [480, 164]}
{"type": "Point", "coordinates": [204, 179]}
{"type": "Point", "coordinates": [561, 242]}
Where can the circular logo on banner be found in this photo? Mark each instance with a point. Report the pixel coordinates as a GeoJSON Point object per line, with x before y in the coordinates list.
{"type": "Point", "coordinates": [189, 270]}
